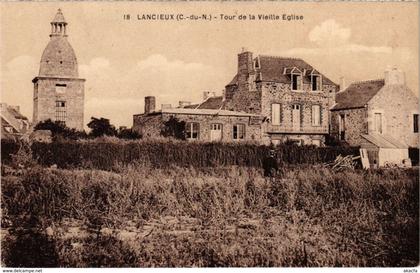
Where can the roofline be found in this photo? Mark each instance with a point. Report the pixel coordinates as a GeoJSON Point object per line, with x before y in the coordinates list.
{"type": "Point", "coordinates": [34, 80]}
{"type": "Point", "coordinates": [349, 108]}
{"type": "Point", "coordinates": [234, 113]}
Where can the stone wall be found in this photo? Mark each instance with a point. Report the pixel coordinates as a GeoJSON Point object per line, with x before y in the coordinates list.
{"type": "Point", "coordinates": [150, 125]}
{"type": "Point", "coordinates": [245, 101]}
{"type": "Point", "coordinates": [398, 105]}
{"type": "Point", "coordinates": [282, 94]}
{"type": "Point", "coordinates": [45, 97]}
{"type": "Point", "coordinates": [355, 124]}
{"type": "Point", "coordinates": [311, 139]}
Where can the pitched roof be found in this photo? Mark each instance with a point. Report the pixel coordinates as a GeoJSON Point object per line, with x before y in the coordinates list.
{"type": "Point", "coordinates": [384, 141]}
{"type": "Point", "coordinates": [357, 94]}
{"type": "Point", "coordinates": [273, 68]}
{"type": "Point", "coordinates": [191, 106]}
{"type": "Point", "coordinates": [212, 103]}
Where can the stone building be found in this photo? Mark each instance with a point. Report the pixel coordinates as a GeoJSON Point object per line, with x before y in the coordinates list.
{"type": "Point", "coordinates": [292, 96]}
{"type": "Point", "coordinates": [384, 110]}
{"type": "Point", "coordinates": [277, 99]}
{"type": "Point", "coordinates": [13, 123]}
{"type": "Point", "coordinates": [205, 124]}
{"type": "Point", "coordinates": [58, 90]}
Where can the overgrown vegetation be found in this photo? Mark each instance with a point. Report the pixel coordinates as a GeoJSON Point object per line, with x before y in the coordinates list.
{"type": "Point", "coordinates": [140, 216]}
{"type": "Point", "coordinates": [310, 217]}
{"type": "Point", "coordinates": [99, 127]}
{"type": "Point", "coordinates": [173, 128]}
{"type": "Point", "coordinates": [161, 154]}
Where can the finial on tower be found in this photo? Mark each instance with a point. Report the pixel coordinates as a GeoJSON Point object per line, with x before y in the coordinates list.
{"type": "Point", "coordinates": [58, 25]}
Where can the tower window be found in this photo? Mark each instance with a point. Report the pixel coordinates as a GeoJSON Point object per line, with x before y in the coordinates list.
{"type": "Point", "coordinates": [60, 112]}
{"type": "Point", "coordinates": [60, 88]}
{"type": "Point", "coordinates": [416, 123]}
{"type": "Point", "coordinates": [61, 62]}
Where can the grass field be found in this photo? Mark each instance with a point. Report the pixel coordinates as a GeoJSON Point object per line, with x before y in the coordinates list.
{"type": "Point", "coordinates": [139, 216]}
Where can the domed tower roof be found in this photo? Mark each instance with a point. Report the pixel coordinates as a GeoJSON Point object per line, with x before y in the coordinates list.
{"type": "Point", "coordinates": [58, 58]}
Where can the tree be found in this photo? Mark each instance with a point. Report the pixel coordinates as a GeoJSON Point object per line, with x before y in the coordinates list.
{"type": "Point", "coordinates": [174, 128]}
{"type": "Point", "coordinates": [128, 134]}
{"type": "Point", "coordinates": [60, 130]}
{"type": "Point", "coordinates": [100, 127]}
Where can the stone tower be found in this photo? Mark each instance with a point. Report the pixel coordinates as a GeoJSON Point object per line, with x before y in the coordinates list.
{"type": "Point", "coordinates": [58, 90]}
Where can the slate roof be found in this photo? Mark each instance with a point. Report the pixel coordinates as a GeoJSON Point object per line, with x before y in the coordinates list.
{"type": "Point", "coordinates": [384, 141]}
{"type": "Point", "coordinates": [212, 103]}
{"type": "Point", "coordinates": [191, 106]}
{"type": "Point", "coordinates": [272, 69]}
{"type": "Point", "coordinates": [357, 94]}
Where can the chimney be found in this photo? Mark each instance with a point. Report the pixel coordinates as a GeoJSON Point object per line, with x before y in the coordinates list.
{"type": "Point", "coordinates": [245, 68]}
{"type": "Point", "coordinates": [208, 94]}
{"type": "Point", "coordinates": [149, 104]}
{"type": "Point", "coordinates": [342, 84]}
{"type": "Point", "coordinates": [394, 76]}
{"type": "Point", "coordinates": [166, 106]}
{"type": "Point", "coordinates": [182, 104]}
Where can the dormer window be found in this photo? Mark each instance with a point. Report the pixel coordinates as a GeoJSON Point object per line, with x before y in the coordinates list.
{"type": "Point", "coordinates": [316, 80]}
{"type": "Point", "coordinates": [295, 76]}
{"type": "Point", "coordinates": [257, 63]}
{"type": "Point", "coordinates": [296, 82]}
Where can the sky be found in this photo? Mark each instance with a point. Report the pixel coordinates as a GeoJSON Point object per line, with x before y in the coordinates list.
{"type": "Point", "coordinates": [125, 60]}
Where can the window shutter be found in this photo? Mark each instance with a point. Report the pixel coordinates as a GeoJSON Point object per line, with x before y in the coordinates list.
{"type": "Point", "coordinates": [320, 115]}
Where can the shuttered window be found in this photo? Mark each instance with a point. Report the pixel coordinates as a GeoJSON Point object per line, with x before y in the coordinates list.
{"type": "Point", "coordinates": [316, 115]}
{"type": "Point", "coordinates": [275, 114]}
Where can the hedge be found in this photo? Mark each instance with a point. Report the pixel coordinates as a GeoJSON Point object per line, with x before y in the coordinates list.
{"type": "Point", "coordinates": [104, 155]}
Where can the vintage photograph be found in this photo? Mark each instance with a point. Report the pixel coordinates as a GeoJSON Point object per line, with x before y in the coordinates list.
{"type": "Point", "coordinates": [209, 134]}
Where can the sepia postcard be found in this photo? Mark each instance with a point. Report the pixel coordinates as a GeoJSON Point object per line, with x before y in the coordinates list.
{"type": "Point", "coordinates": [202, 134]}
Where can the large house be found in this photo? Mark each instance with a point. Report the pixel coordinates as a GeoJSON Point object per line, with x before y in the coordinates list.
{"type": "Point", "coordinates": [270, 100]}
{"type": "Point", "coordinates": [384, 112]}
{"type": "Point", "coordinates": [292, 96]}
{"type": "Point", "coordinates": [58, 90]}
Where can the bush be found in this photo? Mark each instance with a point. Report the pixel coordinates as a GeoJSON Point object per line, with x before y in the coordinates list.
{"type": "Point", "coordinates": [105, 155]}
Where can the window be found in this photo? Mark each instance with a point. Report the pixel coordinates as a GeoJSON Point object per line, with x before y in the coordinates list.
{"type": "Point", "coordinates": [192, 130]}
{"type": "Point", "coordinates": [296, 82]}
{"type": "Point", "coordinates": [275, 114]}
{"type": "Point", "coordinates": [216, 127]}
{"type": "Point", "coordinates": [316, 115]}
{"type": "Point", "coordinates": [238, 131]}
{"type": "Point", "coordinates": [378, 123]}
{"type": "Point", "coordinates": [60, 88]}
{"type": "Point", "coordinates": [416, 123]}
{"type": "Point", "coordinates": [342, 126]}
{"type": "Point", "coordinates": [60, 112]}
{"type": "Point", "coordinates": [316, 82]}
